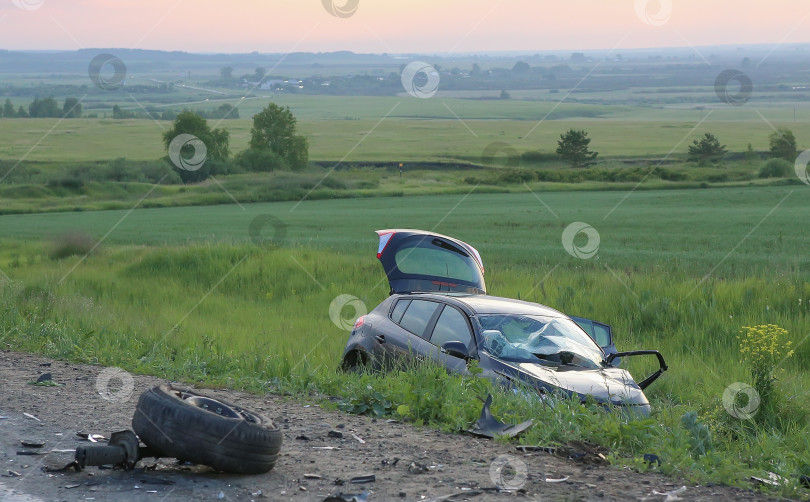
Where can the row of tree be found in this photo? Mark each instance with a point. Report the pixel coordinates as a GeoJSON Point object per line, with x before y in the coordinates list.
{"type": "Point", "coordinates": [274, 144]}
{"type": "Point", "coordinates": [573, 147]}
{"type": "Point", "coordinates": [43, 108]}
{"type": "Point", "coordinates": [708, 150]}
{"type": "Point", "coordinates": [72, 109]}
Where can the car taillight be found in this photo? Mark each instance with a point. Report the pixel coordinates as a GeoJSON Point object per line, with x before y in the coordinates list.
{"type": "Point", "coordinates": [359, 322]}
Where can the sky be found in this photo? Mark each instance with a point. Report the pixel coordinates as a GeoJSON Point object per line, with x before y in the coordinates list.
{"type": "Point", "coordinates": [391, 26]}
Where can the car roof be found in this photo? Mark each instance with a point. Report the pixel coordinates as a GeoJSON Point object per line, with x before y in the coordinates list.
{"type": "Point", "coordinates": [487, 304]}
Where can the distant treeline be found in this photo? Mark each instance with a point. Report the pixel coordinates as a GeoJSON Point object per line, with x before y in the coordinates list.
{"type": "Point", "coordinates": [43, 108]}
{"type": "Point", "coordinates": [71, 108]}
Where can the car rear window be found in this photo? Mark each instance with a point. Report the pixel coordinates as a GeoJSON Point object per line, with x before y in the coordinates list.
{"type": "Point", "coordinates": [399, 309]}
{"type": "Point", "coordinates": [431, 259]}
{"type": "Point", "coordinates": [417, 316]}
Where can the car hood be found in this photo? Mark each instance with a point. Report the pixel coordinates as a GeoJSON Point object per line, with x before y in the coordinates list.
{"type": "Point", "coordinates": [608, 385]}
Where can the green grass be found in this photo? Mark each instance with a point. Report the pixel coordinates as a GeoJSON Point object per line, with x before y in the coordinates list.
{"type": "Point", "coordinates": [417, 130]}
{"type": "Point", "coordinates": [183, 293]}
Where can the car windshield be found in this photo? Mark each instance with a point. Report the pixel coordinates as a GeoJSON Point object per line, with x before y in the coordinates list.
{"type": "Point", "coordinates": [539, 339]}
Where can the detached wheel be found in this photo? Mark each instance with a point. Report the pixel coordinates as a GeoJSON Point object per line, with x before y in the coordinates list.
{"type": "Point", "coordinates": [180, 423]}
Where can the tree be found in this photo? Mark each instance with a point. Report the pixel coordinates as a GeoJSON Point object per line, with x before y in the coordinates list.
{"type": "Point", "coordinates": [216, 143]}
{"type": "Point", "coordinates": [521, 67]}
{"type": "Point", "coordinates": [707, 150]}
{"type": "Point", "coordinates": [72, 109]}
{"type": "Point", "coordinates": [226, 72]}
{"type": "Point", "coordinates": [225, 111]}
{"type": "Point", "coordinates": [505, 95]}
{"type": "Point", "coordinates": [259, 74]}
{"type": "Point", "coordinates": [274, 129]}
{"type": "Point", "coordinates": [573, 148]}
{"type": "Point", "coordinates": [120, 113]}
{"type": "Point", "coordinates": [22, 112]}
{"type": "Point", "coordinates": [783, 144]}
{"type": "Point", "coordinates": [44, 107]}
{"type": "Point", "coordinates": [8, 109]}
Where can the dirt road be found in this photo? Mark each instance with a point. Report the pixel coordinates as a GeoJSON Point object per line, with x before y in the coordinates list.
{"type": "Point", "coordinates": [410, 464]}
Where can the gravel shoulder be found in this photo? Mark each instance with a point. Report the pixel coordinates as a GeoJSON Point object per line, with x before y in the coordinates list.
{"type": "Point", "coordinates": [409, 463]}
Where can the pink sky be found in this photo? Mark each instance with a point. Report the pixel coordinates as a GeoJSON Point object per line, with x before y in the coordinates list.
{"type": "Point", "coordinates": [432, 26]}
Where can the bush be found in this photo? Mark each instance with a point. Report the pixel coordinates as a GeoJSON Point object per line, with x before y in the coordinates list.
{"type": "Point", "coordinates": [538, 156]}
{"type": "Point", "coordinates": [261, 159]}
{"type": "Point", "coordinates": [776, 168]}
{"type": "Point", "coordinates": [76, 243]}
{"type": "Point", "coordinates": [70, 182]}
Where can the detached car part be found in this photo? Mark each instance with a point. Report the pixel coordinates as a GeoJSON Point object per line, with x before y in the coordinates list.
{"type": "Point", "coordinates": [175, 422]}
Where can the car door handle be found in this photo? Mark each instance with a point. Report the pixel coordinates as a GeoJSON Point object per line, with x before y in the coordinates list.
{"type": "Point", "coordinates": [380, 338]}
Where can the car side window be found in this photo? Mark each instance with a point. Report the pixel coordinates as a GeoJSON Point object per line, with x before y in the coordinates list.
{"type": "Point", "coordinates": [601, 334]}
{"type": "Point", "coordinates": [417, 316]}
{"type": "Point", "coordinates": [451, 326]}
{"type": "Point", "coordinates": [399, 309]}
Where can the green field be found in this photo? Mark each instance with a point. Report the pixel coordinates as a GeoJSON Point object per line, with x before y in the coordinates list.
{"type": "Point", "coordinates": [185, 293]}
{"type": "Point", "coordinates": [354, 129]}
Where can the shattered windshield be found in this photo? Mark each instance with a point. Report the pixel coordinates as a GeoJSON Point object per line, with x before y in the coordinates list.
{"type": "Point", "coordinates": [538, 339]}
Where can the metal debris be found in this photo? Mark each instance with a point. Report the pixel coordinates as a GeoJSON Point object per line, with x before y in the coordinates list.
{"type": "Point", "coordinates": [556, 480]}
{"type": "Point", "coordinates": [544, 449]}
{"type": "Point", "coordinates": [467, 493]}
{"type": "Point", "coordinates": [359, 480]}
{"type": "Point", "coordinates": [672, 494]}
{"type": "Point", "coordinates": [772, 480]}
{"type": "Point", "coordinates": [347, 497]}
{"type": "Point", "coordinates": [488, 426]}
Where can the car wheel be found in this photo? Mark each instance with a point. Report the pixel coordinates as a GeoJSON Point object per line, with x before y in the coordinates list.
{"type": "Point", "coordinates": [357, 361]}
{"type": "Point", "coordinates": [180, 423]}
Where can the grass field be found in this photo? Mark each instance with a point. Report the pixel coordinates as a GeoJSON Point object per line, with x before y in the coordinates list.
{"type": "Point", "coordinates": [186, 293]}
{"type": "Point", "coordinates": [354, 129]}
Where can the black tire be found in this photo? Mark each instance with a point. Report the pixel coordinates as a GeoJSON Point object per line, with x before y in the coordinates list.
{"type": "Point", "coordinates": [180, 423]}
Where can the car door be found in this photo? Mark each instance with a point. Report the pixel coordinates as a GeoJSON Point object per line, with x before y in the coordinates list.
{"type": "Point", "coordinates": [601, 333]}
{"type": "Point", "coordinates": [452, 325]}
{"type": "Point", "coordinates": [412, 322]}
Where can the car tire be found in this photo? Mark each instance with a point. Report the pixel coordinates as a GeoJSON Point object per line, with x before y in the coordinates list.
{"type": "Point", "coordinates": [177, 422]}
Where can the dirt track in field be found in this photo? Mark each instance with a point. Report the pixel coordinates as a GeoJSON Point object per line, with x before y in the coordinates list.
{"type": "Point", "coordinates": [410, 464]}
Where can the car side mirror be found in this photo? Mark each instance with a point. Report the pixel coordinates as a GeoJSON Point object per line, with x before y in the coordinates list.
{"type": "Point", "coordinates": [456, 349]}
